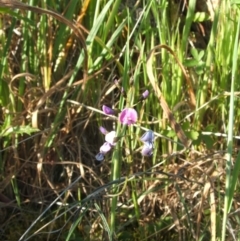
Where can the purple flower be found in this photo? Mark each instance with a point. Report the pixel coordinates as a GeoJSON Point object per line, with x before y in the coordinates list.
{"type": "Point", "coordinates": [111, 141]}
{"type": "Point", "coordinates": [128, 116]}
{"type": "Point", "coordinates": [147, 149]}
{"type": "Point", "coordinates": [148, 136]}
{"type": "Point", "coordinates": [105, 148]}
{"type": "Point", "coordinates": [144, 95]}
{"type": "Point", "coordinates": [111, 138]}
{"type": "Point", "coordinates": [103, 130]}
{"type": "Point", "coordinates": [107, 110]}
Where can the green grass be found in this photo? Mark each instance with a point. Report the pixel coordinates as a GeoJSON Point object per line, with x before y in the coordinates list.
{"type": "Point", "coordinates": [59, 66]}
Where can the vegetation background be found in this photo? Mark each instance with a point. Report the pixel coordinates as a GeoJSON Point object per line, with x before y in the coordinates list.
{"type": "Point", "coordinates": [61, 61]}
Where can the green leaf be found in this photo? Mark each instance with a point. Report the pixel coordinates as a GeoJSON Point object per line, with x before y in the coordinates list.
{"type": "Point", "coordinates": [201, 17]}
{"type": "Point", "coordinates": [185, 125]}
{"type": "Point", "coordinates": [169, 133]}
{"type": "Point", "coordinates": [200, 68]}
{"type": "Point", "coordinates": [210, 127]}
{"type": "Point", "coordinates": [197, 55]}
{"type": "Point", "coordinates": [208, 141]}
{"type": "Point", "coordinates": [201, 54]}
{"type": "Point", "coordinates": [194, 53]}
{"type": "Point", "coordinates": [193, 135]}
{"type": "Point", "coordinates": [191, 63]}
{"type": "Point", "coordinates": [19, 130]}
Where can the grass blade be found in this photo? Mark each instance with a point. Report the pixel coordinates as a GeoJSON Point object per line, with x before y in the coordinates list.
{"type": "Point", "coordinates": [229, 194]}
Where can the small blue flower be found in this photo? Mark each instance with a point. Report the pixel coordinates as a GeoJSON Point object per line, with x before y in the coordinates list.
{"type": "Point", "coordinates": [148, 136]}
{"type": "Point", "coordinates": [99, 157]}
{"type": "Point", "coordinates": [147, 149]}
{"type": "Point", "coordinates": [148, 140]}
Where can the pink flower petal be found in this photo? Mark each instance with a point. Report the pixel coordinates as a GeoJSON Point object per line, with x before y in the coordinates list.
{"type": "Point", "coordinates": [128, 116]}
